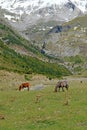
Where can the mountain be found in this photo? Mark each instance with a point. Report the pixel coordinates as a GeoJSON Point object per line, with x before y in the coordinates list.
{"type": "Point", "coordinates": [31, 6]}
{"type": "Point", "coordinates": [18, 55]}
{"type": "Point", "coordinates": [25, 13]}
{"type": "Point", "coordinates": [49, 27]}
{"type": "Point", "coordinates": [67, 41]}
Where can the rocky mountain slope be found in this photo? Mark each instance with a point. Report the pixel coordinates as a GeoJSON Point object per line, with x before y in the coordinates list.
{"type": "Point", "coordinates": [18, 55]}
{"type": "Point", "coordinates": [67, 41]}
{"type": "Point", "coordinates": [25, 13]}
{"type": "Point", "coordinates": [50, 28]}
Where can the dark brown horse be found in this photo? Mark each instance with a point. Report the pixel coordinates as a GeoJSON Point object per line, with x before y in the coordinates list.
{"type": "Point", "coordinates": [61, 84]}
{"type": "Point", "coordinates": [24, 85]}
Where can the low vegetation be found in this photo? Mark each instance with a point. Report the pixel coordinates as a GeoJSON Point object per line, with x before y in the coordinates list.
{"type": "Point", "coordinates": [71, 43]}
{"type": "Point", "coordinates": [12, 61]}
{"type": "Point", "coordinates": [52, 111]}
{"type": "Point", "coordinates": [12, 39]}
{"type": "Point", "coordinates": [18, 55]}
{"type": "Point", "coordinates": [20, 111]}
{"type": "Point", "coordinates": [75, 59]}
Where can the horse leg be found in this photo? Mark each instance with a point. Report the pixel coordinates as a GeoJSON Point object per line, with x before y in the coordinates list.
{"type": "Point", "coordinates": [59, 89]}
{"type": "Point", "coordinates": [28, 88]}
{"type": "Point", "coordinates": [62, 88]}
{"type": "Point", "coordinates": [20, 88]}
{"type": "Point", "coordinates": [67, 87]}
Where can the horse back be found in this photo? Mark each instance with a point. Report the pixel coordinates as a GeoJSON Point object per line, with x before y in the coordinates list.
{"type": "Point", "coordinates": [26, 84]}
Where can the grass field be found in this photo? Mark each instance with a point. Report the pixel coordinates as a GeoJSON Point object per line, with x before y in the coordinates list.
{"type": "Point", "coordinates": [20, 111]}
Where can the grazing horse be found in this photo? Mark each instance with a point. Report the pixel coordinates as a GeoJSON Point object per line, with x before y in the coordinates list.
{"type": "Point", "coordinates": [24, 85]}
{"type": "Point", "coordinates": [61, 84]}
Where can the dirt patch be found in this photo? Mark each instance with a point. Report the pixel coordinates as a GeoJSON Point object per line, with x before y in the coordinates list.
{"type": "Point", "coordinates": [2, 117]}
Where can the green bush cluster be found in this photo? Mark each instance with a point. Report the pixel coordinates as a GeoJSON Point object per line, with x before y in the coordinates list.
{"type": "Point", "coordinates": [13, 61]}
{"type": "Point", "coordinates": [75, 59]}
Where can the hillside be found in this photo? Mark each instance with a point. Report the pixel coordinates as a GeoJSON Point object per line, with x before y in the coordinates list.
{"type": "Point", "coordinates": [12, 39]}
{"type": "Point", "coordinates": [18, 55]}
{"type": "Point", "coordinates": [67, 42]}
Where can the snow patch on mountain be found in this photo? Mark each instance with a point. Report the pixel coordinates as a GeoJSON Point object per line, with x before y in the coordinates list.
{"type": "Point", "coordinates": [81, 4]}
{"type": "Point", "coordinates": [12, 18]}
{"type": "Point", "coordinates": [19, 6]}
{"type": "Point", "coordinates": [25, 13]}
{"type": "Point", "coordinates": [28, 6]}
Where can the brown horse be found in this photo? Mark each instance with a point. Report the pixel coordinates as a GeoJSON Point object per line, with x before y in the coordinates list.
{"type": "Point", "coordinates": [24, 85]}
{"type": "Point", "coordinates": [61, 84]}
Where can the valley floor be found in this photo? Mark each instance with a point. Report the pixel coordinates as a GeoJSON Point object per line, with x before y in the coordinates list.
{"type": "Point", "coordinates": [53, 111]}
{"type": "Point", "coordinates": [11, 81]}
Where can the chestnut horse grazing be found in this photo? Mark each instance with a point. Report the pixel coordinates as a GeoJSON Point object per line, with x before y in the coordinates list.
{"type": "Point", "coordinates": [61, 84]}
{"type": "Point", "coordinates": [24, 85]}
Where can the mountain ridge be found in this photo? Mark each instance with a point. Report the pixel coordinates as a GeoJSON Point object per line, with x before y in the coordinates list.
{"type": "Point", "coordinates": [13, 4]}
{"type": "Point", "coordinates": [62, 39]}
{"type": "Point", "coordinates": [23, 14]}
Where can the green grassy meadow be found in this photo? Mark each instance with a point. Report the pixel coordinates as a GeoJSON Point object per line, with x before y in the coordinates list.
{"type": "Point", "coordinates": [20, 111]}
